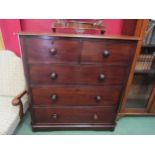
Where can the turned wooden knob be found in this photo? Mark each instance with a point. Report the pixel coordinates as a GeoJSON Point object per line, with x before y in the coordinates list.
{"type": "Point", "coordinates": [53, 75]}
{"type": "Point", "coordinates": [53, 51]}
{"type": "Point", "coordinates": [54, 116]}
{"type": "Point", "coordinates": [101, 77]}
{"type": "Point", "coordinates": [54, 97]}
{"type": "Point", "coordinates": [106, 54]}
{"type": "Point", "coordinates": [98, 98]}
{"type": "Point", "coordinates": [95, 117]}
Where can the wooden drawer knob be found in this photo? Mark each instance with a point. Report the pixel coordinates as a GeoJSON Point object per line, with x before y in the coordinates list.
{"type": "Point", "coordinates": [54, 116]}
{"type": "Point", "coordinates": [98, 98]}
{"type": "Point", "coordinates": [106, 54]}
{"type": "Point", "coordinates": [95, 117]}
{"type": "Point", "coordinates": [53, 75]}
{"type": "Point", "coordinates": [53, 51]}
{"type": "Point", "coordinates": [101, 77]}
{"type": "Point", "coordinates": [54, 97]}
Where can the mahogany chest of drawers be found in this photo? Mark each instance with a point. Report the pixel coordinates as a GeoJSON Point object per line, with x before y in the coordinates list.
{"type": "Point", "coordinates": [75, 81]}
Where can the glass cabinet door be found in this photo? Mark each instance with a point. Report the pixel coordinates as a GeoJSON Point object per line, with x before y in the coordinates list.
{"type": "Point", "coordinates": [144, 79]}
{"type": "Point", "coordinates": [140, 91]}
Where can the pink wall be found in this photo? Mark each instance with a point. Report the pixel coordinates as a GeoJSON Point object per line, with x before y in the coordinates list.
{"type": "Point", "coordinates": [9, 29]}
{"type": "Point", "coordinates": [11, 26]}
{"type": "Point", "coordinates": [113, 26]}
{"type": "Point", "coordinates": [35, 25]}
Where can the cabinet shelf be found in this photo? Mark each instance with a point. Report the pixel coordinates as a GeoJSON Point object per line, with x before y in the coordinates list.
{"type": "Point", "coordinates": [148, 46]}
{"type": "Point", "coordinates": [151, 72]}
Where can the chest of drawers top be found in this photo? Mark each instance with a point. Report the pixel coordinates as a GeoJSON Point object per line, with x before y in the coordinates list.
{"type": "Point", "coordinates": [75, 81]}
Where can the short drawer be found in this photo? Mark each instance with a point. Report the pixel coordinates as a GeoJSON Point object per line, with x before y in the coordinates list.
{"type": "Point", "coordinates": [51, 49]}
{"type": "Point", "coordinates": [108, 51]}
{"type": "Point", "coordinates": [78, 74]}
{"type": "Point", "coordinates": [74, 115]}
{"type": "Point", "coordinates": [76, 96]}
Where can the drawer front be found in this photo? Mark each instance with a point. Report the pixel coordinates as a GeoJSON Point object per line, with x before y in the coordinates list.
{"type": "Point", "coordinates": [76, 74]}
{"type": "Point", "coordinates": [76, 96]}
{"type": "Point", "coordinates": [108, 51]}
{"type": "Point", "coordinates": [74, 115]}
{"type": "Point", "coordinates": [51, 50]}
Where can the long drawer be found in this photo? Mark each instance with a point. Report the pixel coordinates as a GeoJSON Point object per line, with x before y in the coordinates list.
{"type": "Point", "coordinates": [60, 50]}
{"type": "Point", "coordinates": [77, 74]}
{"type": "Point", "coordinates": [76, 96]}
{"type": "Point", "coordinates": [74, 115]}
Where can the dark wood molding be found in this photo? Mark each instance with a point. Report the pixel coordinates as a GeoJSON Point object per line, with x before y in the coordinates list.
{"type": "Point", "coordinates": [97, 127]}
{"type": "Point", "coordinates": [45, 35]}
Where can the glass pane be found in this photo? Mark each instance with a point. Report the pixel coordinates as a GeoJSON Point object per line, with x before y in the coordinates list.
{"type": "Point", "coordinates": [140, 91]}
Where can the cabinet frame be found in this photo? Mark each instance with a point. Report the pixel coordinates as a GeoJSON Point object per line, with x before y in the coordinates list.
{"type": "Point", "coordinates": [140, 29]}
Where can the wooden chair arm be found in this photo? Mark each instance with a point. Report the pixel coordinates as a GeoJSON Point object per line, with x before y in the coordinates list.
{"type": "Point", "coordinates": [17, 101]}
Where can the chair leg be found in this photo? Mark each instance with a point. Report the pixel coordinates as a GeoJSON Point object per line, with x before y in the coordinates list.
{"type": "Point", "coordinates": [21, 113]}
